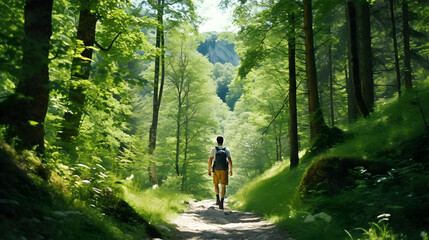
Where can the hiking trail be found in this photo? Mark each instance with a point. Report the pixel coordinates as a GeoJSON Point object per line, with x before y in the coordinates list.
{"type": "Point", "coordinates": [204, 220]}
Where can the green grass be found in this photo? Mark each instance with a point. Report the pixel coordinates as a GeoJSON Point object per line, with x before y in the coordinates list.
{"type": "Point", "coordinates": [157, 205]}
{"type": "Point", "coordinates": [262, 194]}
{"type": "Point", "coordinates": [393, 135]}
{"type": "Point", "coordinates": [376, 232]}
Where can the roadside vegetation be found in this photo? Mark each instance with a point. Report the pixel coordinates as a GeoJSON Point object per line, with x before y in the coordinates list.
{"type": "Point", "coordinates": [374, 185]}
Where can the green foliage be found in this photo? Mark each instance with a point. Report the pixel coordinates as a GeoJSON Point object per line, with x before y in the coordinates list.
{"type": "Point", "coordinates": [186, 116]}
{"type": "Point", "coordinates": [377, 170]}
{"type": "Point", "coordinates": [223, 76]}
{"type": "Point", "coordinates": [81, 190]}
{"type": "Point", "coordinates": [11, 37]}
{"type": "Point", "coordinates": [41, 205]}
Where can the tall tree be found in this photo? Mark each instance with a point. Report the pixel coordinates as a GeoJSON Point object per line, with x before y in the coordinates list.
{"type": "Point", "coordinates": [159, 73]}
{"type": "Point", "coordinates": [158, 84]}
{"type": "Point", "coordinates": [352, 109]}
{"type": "Point", "coordinates": [25, 110]}
{"type": "Point", "coordinates": [186, 74]}
{"type": "Point", "coordinates": [407, 53]}
{"type": "Point", "coordinates": [317, 122]}
{"type": "Point", "coordinates": [331, 82]}
{"type": "Point", "coordinates": [395, 47]}
{"type": "Point", "coordinates": [355, 59]}
{"type": "Point", "coordinates": [365, 55]}
{"type": "Point", "coordinates": [293, 119]}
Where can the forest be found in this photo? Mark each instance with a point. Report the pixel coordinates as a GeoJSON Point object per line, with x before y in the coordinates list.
{"type": "Point", "coordinates": [109, 109]}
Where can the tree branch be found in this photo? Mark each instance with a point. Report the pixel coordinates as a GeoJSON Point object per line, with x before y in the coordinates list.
{"type": "Point", "coordinates": [278, 112]}
{"type": "Point", "coordinates": [110, 46]}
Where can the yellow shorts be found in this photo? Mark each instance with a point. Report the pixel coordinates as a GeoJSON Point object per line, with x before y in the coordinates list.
{"type": "Point", "coordinates": [220, 176]}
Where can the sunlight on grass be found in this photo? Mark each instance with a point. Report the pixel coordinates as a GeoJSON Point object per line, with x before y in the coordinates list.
{"type": "Point", "coordinates": [270, 194]}
{"type": "Point", "coordinates": [157, 205]}
{"type": "Point", "coordinates": [388, 135]}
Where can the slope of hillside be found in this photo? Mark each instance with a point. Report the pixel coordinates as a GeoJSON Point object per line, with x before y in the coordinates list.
{"type": "Point", "coordinates": [379, 175]}
{"type": "Point", "coordinates": [35, 204]}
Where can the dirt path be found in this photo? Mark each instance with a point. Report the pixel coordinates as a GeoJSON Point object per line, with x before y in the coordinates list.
{"type": "Point", "coordinates": [205, 221]}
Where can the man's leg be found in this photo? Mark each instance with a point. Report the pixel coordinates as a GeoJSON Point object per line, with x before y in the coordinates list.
{"type": "Point", "coordinates": [217, 194]}
{"type": "Point", "coordinates": [216, 185]}
{"type": "Point", "coordinates": [223, 190]}
{"type": "Point", "coordinates": [222, 195]}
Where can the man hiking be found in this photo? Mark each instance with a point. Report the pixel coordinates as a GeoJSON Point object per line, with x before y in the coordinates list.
{"type": "Point", "coordinates": [222, 162]}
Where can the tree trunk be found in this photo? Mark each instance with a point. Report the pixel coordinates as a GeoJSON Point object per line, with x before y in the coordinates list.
{"type": "Point", "coordinates": [280, 143]}
{"type": "Point", "coordinates": [81, 69]}
{"type": "Point", "coordinates": [395, 47]}
{"type": "Point", "coordinates": [277, 147]}
{"type": "Point", "coordinates": [293, 119]}
{"type": "Point", "coordinates": [185, 157]}
{"type": "Point", "coordinates": [277, 136]}
{"type": "Point", "coordinates": [407, 57]}
{"type": "Point", "coordinates": [157, 88]}
{"type": "Point", "coordinates": [317, 123]}
{"type": "Point", "coordinates": [355, 60]}
{"type": "Point", "coordinates": [25, 111]}
{"type": "Point", "coordinates": [179, 116]}
{"type": "Point", "coordinates": [331, 84]}
{"type": "Point", "coordinates": [352, 109]}
{"type": "Point", "coordinates": [365, 55]}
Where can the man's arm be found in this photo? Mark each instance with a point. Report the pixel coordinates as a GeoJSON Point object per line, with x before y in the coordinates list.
{"type": "Point", "coordinates": [210, 165]}
{"type": "Point", "coordinates": [230, 166]}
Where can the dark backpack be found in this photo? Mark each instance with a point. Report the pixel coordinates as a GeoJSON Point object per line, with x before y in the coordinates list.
{"type": "Point", "coordinates": [220, 161]}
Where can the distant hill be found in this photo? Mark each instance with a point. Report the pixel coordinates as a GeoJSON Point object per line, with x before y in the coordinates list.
{"type": "Point", "coordinates": [218, 51]}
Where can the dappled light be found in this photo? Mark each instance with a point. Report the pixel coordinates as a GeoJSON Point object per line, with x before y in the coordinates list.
{"type": "Point", "coordinates": [204, 221]}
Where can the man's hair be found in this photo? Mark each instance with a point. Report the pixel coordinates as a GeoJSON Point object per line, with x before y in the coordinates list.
{"type": "Point", "coordinates": [219, 140]}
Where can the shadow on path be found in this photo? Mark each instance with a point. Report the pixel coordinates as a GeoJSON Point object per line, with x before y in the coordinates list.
{"type": "Point", "coordinates": [205, 221]}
